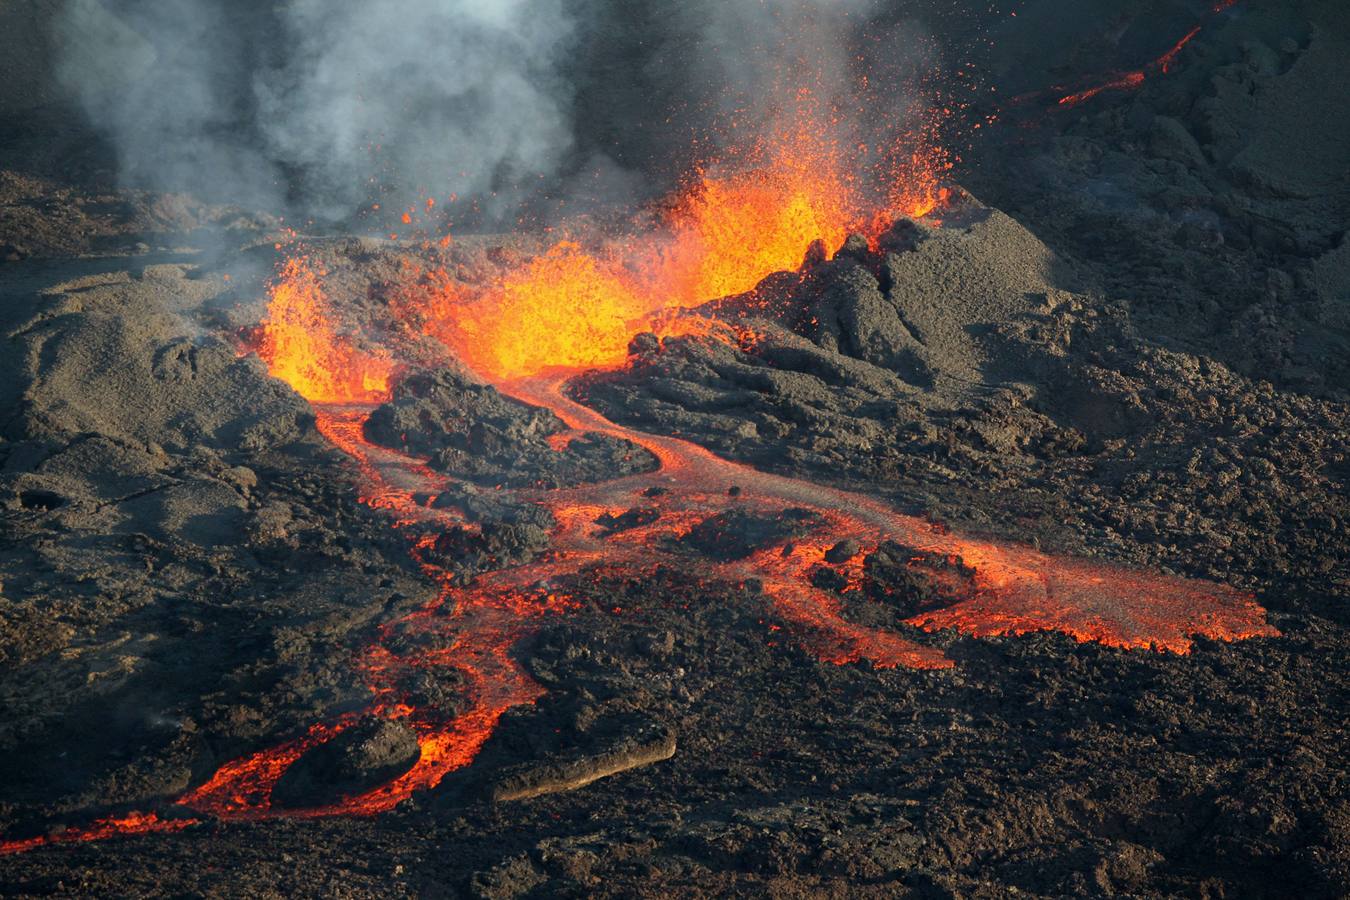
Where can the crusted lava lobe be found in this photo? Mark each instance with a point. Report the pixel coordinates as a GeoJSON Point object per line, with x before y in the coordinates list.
{"type": "Point", "coordinates": [469, 430]}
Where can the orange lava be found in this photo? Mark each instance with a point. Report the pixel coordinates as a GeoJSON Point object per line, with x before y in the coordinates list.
{"type": "Point", "coordinates": [568, 308]}
{"type": "Point", "coordinates": [817, 616]}
{"type": "Point", "coordinates": [576, 307]}
{"type": "Point", "coordinates": [477, 627]}
{"type": "Point", "coordinates": [301, 348]}
{"type": "Point", "coordinates": [1125, 82]}
{"type": "Point", "coordinates": [100, 829]}
{"type": "Point", "coordinates": [473, 629]}
{"type": "Point", "coordinates": [1016, 589]}
{"type": "Point", "coordinates": [732, 229]}
{"type": "Point", "coordinates": [1021, 590]}
{"type": "Point", "coordinates": [1167, 59]}
{"type": "Point", "coordinates": [1133, 79]}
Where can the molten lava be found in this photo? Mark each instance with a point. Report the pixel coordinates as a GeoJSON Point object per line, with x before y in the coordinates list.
{"type": "Point", "coordinates": [577, 308]}
{"type": "Point", "coordinates": [566, 309]}
{"type": "Point", "coordinates": [1133, 79]}
{"type": "Point", "coordinates": [99, 829]}
{"type": "Point", "coordinates": [302, 349]}
{"type": "Point", "coordinates": [574, 308]}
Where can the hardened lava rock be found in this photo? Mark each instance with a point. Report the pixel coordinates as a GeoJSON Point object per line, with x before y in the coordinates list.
{"type": "Point", "coordinates": [913, 580]}
{"type": "Point", "coordinates": [472, 431]}
{"type": "Point", "coordinates": [736, 533]}
{"type": "Point", "coordinates": [368, 753]}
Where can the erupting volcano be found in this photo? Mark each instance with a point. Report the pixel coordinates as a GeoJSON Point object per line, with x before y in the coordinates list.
{"type": "Point", "coordinates": [741, 219]}
{"type": "Point", "coordinates": [578, 306]}
{"type": "Point", "coordinates": [725, 448]}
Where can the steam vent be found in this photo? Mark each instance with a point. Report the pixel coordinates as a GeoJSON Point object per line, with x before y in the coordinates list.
{"type": "Point", "coordinates": [728, 448]}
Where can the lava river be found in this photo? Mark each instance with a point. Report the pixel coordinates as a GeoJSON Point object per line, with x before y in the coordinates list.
{"type": "Point", "coordinates": [473, 629]}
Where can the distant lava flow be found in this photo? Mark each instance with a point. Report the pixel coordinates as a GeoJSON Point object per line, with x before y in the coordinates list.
{"type": "Point", "coordinates": [472, 630]}
{"type": "Point", "coordinates": [1130, 80]}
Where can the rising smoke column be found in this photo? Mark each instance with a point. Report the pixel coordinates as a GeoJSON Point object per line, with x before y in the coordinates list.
{"type": "Point", "coordinates": [320, 105]}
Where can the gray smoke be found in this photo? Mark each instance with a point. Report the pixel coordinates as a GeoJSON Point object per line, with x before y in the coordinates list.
{"type": "Point", "coordinates": [322, 105]}
{"type": "Point", "coordinates": [708, 74]}
{"type": "Point", "coordinates": [759, 51]}
{"type": "Point", "coordinates": [427, 94]}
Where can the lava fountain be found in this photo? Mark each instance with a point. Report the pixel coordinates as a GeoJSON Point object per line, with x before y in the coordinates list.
{"type": "Point", "coordinates": [574, 307]}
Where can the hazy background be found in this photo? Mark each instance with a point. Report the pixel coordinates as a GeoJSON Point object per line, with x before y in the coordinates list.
{"type": "Point", "coordinates": [321, 108]}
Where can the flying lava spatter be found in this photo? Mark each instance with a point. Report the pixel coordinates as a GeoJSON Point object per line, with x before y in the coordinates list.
{"type": "Point", "coordinates": [574, 307]}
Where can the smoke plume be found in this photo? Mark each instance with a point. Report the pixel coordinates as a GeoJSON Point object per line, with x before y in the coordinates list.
{"type": "Point", "coordinates": [322, 108]}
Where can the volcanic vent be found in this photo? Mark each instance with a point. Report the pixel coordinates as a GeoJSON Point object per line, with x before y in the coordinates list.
{"type": "Point", "coordinates": [573, 496]}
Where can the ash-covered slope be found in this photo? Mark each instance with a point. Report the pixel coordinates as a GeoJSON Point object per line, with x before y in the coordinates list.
{"type": "Point", "coordinates": [180, 560]}
{"type": "Point", "coordinates": [1212, 200]}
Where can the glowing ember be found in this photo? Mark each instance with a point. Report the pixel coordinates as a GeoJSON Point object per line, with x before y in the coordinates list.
{"type": "Point", "coordinates": [301, 348]}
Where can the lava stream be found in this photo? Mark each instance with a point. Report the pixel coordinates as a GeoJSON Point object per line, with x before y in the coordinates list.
{"type": "Point", "coordinates": [473, 629]}
{"type": "Point", "coordinates": [1017, 589]}
{"type": "Point", "coordinates": [1131, 80]}
{"type": "Point", "coordinates": [579, 309]}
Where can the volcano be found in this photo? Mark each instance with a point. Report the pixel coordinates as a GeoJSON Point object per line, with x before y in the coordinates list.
{"type": "Point", "coordinates": [925, 492]}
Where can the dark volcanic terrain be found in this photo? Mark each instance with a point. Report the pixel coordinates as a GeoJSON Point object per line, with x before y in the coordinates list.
{"type": "Point", "coordinates": [1124, 339]}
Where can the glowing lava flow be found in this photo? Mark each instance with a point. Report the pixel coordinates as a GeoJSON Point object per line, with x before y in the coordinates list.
{"type": "Point", "coordinates": [470, 630]}
{"type": "Point", "coordinates": [303, 350]}
{"type": "Point", "coordinates": [473, 629]}
{"type": "Point", "coordinates": [1133, 79]}
{"type": "Point", "coordinates": [577, 309]}
{"type": "Point", "coordinates": [1016, 589]}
